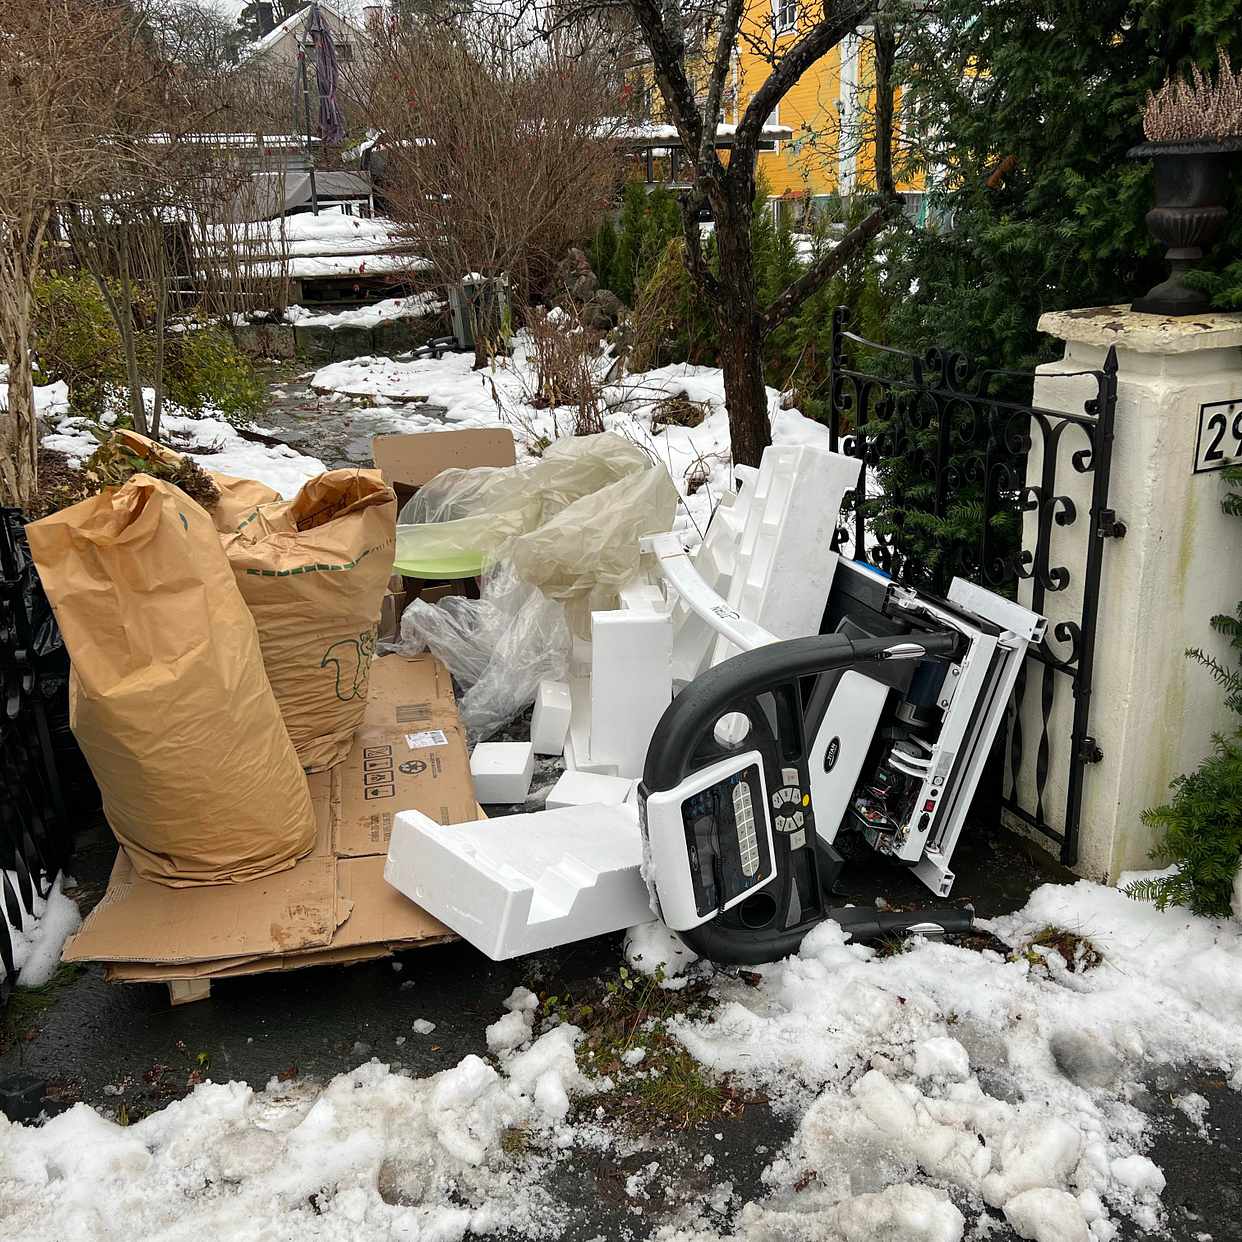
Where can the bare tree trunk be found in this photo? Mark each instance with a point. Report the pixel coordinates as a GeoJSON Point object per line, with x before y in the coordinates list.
{"type": "Point", "coordinates": [739, 323]}
{"type": "Point", "coordinates": [19, 425]}
{"type": "Point", "coordinates": [125, 321]}
{"type": "Point", "coordinates": [158, 266]}
{"type": "Point", "coordinates": [19, 428]}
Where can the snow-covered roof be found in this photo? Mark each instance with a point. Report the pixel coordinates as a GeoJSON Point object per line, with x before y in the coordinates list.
{"type": "Point", "coordinates": [263, 45]}
{"type": "Point", "coordinates": [656, 134]}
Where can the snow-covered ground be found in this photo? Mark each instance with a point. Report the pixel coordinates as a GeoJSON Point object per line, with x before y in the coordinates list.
{"type": "Point", "coordinates": [933, 1089]}
{"type": "Point", "coordinates": [211, 442]}
{"type": "Point", "coordinates": [415, 306]}
{"type": "Point", "coordinates": [698, 458]}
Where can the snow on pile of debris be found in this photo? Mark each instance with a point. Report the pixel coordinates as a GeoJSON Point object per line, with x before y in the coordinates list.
{"type": "Point", "coordinates": [37, 939]}
{"type": "Point", "coordinates": [943, 1080]}
{"type": "Point", "coordinates": [210, 441]}
{"type": "Point", "coordinates": [372, 1154]}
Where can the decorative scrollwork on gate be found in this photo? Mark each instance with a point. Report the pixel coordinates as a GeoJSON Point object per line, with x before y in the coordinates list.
{"type": "Point", "coordinates": [963, 476]}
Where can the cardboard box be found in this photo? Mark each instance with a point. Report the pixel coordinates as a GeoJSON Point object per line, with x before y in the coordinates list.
{"type": "Point", "coordinates": [409, 461]}
{"type": "Point", "coordinates": [333, 906]}
{"type": "Point", "coordinates": [391, 608]}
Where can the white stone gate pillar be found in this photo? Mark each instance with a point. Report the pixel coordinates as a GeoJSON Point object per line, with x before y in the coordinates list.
{"type": "Point", "coordinates": [1178, 415]}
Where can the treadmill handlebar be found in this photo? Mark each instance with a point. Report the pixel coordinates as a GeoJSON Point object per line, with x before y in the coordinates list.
{"type": "Point", "coordinates": [694, 712]}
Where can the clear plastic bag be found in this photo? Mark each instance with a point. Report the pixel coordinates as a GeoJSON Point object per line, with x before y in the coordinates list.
{"type": "Point", "coordinates": [498, 648]}
{"type": "Point", "coordinates": [558, 536]}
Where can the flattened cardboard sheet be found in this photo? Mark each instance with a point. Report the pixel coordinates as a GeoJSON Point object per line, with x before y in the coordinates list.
{"type": "Point", "coordinates": [333, 907]}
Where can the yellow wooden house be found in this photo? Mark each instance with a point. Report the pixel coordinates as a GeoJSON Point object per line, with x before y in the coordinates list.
{"type": "Point", "coordinates": [829, 110]}
{"type": "Point", "coordinates": [829, 152]}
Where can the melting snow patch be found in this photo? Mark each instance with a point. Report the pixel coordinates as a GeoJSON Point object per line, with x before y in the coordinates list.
{"type": "Point", "coordinates": [37, 940]}
{"type": "Point", "coordinates": [954, 1066]}
{"type": "Point", "coordinates": [372, 1154]}
{"type": "Point", "coordinates": [929, 1088]}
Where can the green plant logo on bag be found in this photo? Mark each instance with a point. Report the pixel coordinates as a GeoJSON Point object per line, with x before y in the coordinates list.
{"type": "Point", "coordinates": [351, 658]}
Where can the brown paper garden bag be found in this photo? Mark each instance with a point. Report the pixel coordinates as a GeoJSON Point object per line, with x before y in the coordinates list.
{"type": "Point", "coordinates": [168, 696]}
{"type": "Point", "coordinates": [313, 571]}
{"type": "Point", "coordinates": [238, 497]}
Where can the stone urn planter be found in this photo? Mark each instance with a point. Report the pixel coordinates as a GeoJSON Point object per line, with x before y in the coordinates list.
{"type": "Point", "coordinates": [1191, 189]}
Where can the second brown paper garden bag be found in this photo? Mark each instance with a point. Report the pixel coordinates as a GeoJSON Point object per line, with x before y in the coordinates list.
{"type": "Point", "coordinates": [313, 571]}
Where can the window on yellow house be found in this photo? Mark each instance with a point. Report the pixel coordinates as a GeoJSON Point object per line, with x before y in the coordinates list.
{"type": "Point", "coordinates": [774, 118]}
{"type": "Point", "coordinates": [785, 15]}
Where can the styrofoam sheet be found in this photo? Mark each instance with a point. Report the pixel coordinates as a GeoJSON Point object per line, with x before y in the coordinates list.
{"type": "Point", "coordinates": [524, 883]}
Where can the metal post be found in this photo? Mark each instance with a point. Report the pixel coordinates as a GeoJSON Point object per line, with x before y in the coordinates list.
{"type": "Point", "coordinates": [310, 154]}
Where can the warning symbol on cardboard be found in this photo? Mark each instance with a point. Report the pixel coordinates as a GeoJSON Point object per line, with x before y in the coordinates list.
{"type": "Point", "coordinates": [380, 791]}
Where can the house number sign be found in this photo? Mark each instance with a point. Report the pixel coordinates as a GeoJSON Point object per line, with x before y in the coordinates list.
{"type": "Point", "coordinates": [1220, 436]}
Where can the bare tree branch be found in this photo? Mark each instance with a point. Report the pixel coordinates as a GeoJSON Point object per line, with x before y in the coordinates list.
{"type": "Point", "coordinates": [828, 264]}
{"type": "Point", "coordinates": [729, 24]}
{"type": "Point", "coordinates": [792, 64]}
{"type": "Point", "coordinates": [668, 63]}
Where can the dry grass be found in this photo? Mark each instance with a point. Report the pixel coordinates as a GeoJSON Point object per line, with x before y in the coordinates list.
{"type": "Point", "coordinates": [668, 1091]}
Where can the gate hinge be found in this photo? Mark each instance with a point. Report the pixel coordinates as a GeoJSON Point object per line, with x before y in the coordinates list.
{"type": "Point", "coordinates": [1089, 750]}
{"type": "Point", "coordinates": [1111, 527]}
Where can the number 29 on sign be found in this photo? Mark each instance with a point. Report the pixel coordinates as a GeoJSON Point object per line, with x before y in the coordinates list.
{"type": "Point", "coordinates": [1220, 435]}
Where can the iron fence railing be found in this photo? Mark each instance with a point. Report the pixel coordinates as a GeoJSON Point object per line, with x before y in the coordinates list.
{"type": "Point", "coordinates": [960, 476]}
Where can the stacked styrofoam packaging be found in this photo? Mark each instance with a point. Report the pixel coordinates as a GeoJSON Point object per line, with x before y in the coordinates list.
{"type": "Point", "coordinates": [572, 871]}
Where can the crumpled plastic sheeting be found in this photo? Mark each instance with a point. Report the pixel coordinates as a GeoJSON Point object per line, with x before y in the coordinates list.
{"type": "Point", "coordinates": [560, 537]}
{"type": "Point", "coordinates": [499, 647]}
{"type": "Point", "coordinates": [483, 507]}
{"type": "Point", "coordinates": [588, 551]}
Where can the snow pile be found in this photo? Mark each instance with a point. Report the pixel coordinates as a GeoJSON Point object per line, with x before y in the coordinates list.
{"type": "Point", "coordinates": [49, 399]}
{"type": "Point", "coordinates": [416, 306]}
{"type": "Point", "coordinates": [651, 947]}
{"type": "Point", "coordinates": [372, 1154]}
{"type": "Point", "coordinates": [210, 441]}
{"type": "Point", "coordinates": [699, 458]}
{"type": "Point", "coordinates": [37, 941]}
{"type": "Point", "coordinates": [1005, 1083]}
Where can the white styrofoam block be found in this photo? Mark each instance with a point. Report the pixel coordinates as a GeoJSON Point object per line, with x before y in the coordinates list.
{"type": "Point", "coordinates": [580, 658]}
{"type": "Point", "coordinates": [524, 883]}
{"type": "Point", "coordinates": [549, 723]}
{"type": "Point", "coordinates": [715, 559]}
{"type": "Point", "coordinates": [639, 595]}
{"type": "Point", "coordinates": [785, 561]}
{"type": "Point", "coordinates": [631, 685]}
{"type": "Point", "coordinates": [585, 788]}
{"type": "Point", "coordinates": [578, 756]}
{"type": "Point", "coordinates": [502, 771]}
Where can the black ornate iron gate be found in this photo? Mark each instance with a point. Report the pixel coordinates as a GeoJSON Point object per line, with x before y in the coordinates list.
{"type": "Point", "coordinates": [945, 451]}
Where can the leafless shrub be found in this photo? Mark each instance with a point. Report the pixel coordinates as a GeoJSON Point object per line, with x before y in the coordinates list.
{"type": "Point", "coordinates": [76, 78]}
{"type": "Point", "coordinates": [565, 355]}
{"type": "Point", "coordinates": [1196, 109]}
{"type": "Point", "coordinates": [495, 161]}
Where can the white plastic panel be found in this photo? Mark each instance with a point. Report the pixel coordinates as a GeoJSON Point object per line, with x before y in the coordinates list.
{"type": "Point", "coordinates": [847, 729]}
{"type": "Point", "coordinates": [524, 883]}
{"type": "Point", "coordinates": [668, 859]}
